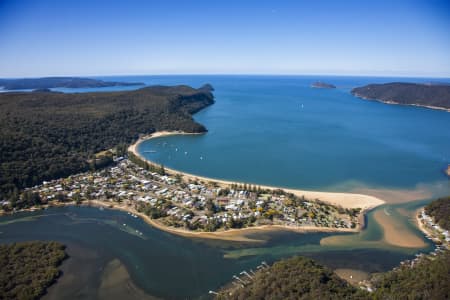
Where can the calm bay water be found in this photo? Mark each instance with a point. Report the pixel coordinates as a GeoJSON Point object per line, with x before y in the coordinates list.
{"type": "Point", "coordinates": [280, 131]}
{"type": "Point", "coordinates": [264, 130]}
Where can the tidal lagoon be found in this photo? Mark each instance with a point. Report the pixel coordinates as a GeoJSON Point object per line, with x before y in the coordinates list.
{"type": "Point", "coordinates": [172, 267]}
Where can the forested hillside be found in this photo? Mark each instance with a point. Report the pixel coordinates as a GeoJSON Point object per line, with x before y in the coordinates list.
{"type": "Point", "coordinates": [440, 211]}
{"type": "Point", "coordinates": [433, 95]}
{"type": "Point", "coordinates": [28, 268]}
{"type": "Point", "coordinates": [302, 278]}
{"type": "Point", "coordinates": [295, 278]}
{"type": "Point", "coordinates": [429, 279]}
{"type": "Point", "coordinates": [45, 135]}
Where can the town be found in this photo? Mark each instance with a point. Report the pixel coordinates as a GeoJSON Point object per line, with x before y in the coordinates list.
{"type": "Point", "coordinates": [188, 204]}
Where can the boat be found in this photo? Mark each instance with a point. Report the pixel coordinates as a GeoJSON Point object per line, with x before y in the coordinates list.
{"type": "Point", "coordinates": [150, 151]}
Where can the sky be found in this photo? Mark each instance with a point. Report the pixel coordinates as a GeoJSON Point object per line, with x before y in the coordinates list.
{"type": "Point", "coordinates": [89, 37]}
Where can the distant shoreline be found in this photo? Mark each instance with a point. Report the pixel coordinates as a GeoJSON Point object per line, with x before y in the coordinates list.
{"type": "Point", "coordinates": [402, 104]}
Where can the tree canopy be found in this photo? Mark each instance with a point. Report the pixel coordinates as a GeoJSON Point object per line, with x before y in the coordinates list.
{"type": "Point", "coordinates": [46, 135]}
{"type": "Point", "coordinates": [28, 268]}
{"type": "Point", "coordinates": [440, 211]}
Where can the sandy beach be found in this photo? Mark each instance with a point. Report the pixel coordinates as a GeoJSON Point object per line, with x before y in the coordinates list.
{"type": "Point", "coordinates": [346, 200]}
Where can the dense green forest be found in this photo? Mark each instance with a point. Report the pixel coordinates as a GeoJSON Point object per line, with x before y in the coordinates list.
{"type": "Point", "coordinates": [429, 279]}
{"type": "Point", "coordinates": [437, 95]}
{"type": "Point", "coordinates": [302, 278]}
{"type": "Point", "coordinates": [440, 211]}
{"type": "Point", "coordinates": [45, 135]}
{"type": "Point", "coordinates": [58, 82]}
{"type": "Point", "coordinates": [295, 278]}
{"type": "Point", "coordinates": [28, 268]}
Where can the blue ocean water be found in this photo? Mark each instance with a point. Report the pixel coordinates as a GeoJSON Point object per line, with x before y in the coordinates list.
{"type": "Point", "coordinates": [277, 130]}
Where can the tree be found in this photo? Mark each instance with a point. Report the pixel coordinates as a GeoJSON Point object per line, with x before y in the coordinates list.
{"type": "Point", "coordinates": [162, 170]}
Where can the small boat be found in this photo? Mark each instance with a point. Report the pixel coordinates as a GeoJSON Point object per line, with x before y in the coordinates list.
{"type": "Point", "coordinates": [150, 151]}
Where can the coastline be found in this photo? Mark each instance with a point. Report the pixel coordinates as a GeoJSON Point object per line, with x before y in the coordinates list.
{"type": "Point", "coordinates": [232, 235]}
{"type": "Point", "coordinates": [423, 228]}
{"type": "Point", "coordinates": [235, 235]}
{"type": "Point", "coordinates": [403, 104]}
{"type": "Point", "coordinates": [346, 200]}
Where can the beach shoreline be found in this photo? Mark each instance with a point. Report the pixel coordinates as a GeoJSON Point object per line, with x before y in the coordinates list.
{"type": "Point", "coordinates": [402, 104]}
{"type": "Point", "coordinates": [346, 200]}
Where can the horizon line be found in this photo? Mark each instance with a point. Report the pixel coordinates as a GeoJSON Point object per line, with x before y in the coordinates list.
{"type": "Point", "coordinates": [235, 74]}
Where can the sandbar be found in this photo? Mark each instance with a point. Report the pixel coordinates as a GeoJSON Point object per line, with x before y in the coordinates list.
{"type": "Point", "coordinates": [396, 233]}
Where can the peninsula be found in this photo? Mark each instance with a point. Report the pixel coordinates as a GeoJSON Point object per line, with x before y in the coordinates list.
{"type": "Point", "coordinates": [189, 206]}
{"type": "Point", "coordinates": [436, 96]}
{"type": "Point", "coordinates": [323, 85]}
{"type": "Point", "coordinates": [59, 82]}
{"type": "Point", "coordinates": [47, 136]}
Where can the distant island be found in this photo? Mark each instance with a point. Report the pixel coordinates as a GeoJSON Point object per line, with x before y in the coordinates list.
{"type": "Point", "coordinates": [435, 96]}
{"type": "Point", "coordinates": [59, 82]}
{"type": "Point", "coordinates": [322, 85]}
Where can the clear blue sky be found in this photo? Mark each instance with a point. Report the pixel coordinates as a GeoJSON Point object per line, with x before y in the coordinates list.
{"type": "Point", "coordinates": [87, 37]}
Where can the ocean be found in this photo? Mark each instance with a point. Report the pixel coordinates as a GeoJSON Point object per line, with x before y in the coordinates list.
{"type": "Point", "coordinates": [279, 131]}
